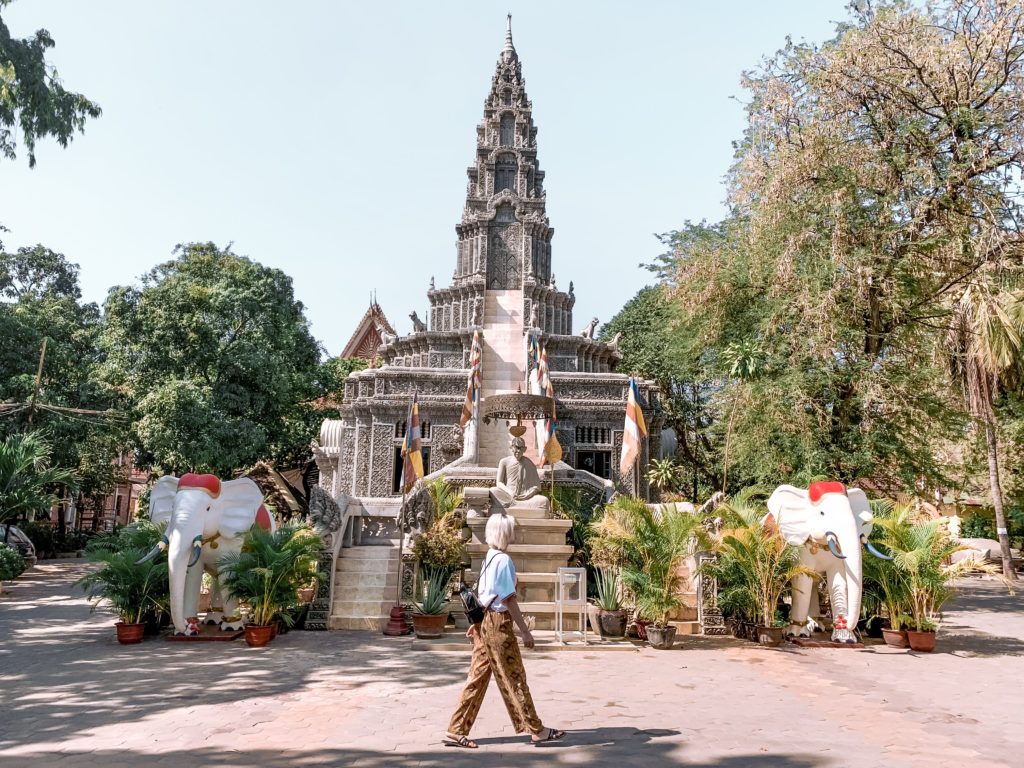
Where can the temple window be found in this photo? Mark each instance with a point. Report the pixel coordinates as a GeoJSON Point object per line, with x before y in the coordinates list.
{"type": "Point", "coordinates": [505, 173]}
{"type": "Point", "coordinates": [507, 97]}
{"type": "Point", "coordinates": [596, 462]}
{"type": "Point", "coordinates": [399, 464]}
{"type": "Point", "coordinates": [505, 214]}
{"type": "Point", "coordinates": [508, 130]}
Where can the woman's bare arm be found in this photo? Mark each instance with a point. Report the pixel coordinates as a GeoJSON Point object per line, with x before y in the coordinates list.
{"type": "Point", "coordinates": [517, 616]}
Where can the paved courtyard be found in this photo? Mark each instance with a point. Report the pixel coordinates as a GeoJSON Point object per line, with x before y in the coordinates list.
{"type": "Point", "coordinates": [71, 696]}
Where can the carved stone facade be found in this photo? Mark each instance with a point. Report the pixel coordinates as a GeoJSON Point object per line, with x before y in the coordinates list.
{"type": "Point", "coordinates": [503, 249]}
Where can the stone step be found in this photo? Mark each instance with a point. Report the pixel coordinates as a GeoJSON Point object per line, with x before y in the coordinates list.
{"type": "Point", "coordinates": [544, 558]}
{"type": "Point", "coordinates": [528, 530]}
{"type": "Point", "coordinates": [532, 587]}
{"type": "Point", "coordinates": [687, 627]}
{"type": "Point", "coordinates": [364, 594]}
{"type": "Point", "coordinates": [371, 623]}
{"type": "Point", "coordinates": [346, 579]}
{"type": "Point", "coordinates": [369, 553]}
{"type": "Point", "coordinates": [544, 615]}
{"type": "Point", "coordinates": [361, 608]}
{"type": "Point", "coordinates": [368, 565]}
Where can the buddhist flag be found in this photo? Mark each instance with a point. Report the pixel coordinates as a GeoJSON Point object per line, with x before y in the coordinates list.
{"type": "Point", "coordinates": [412, 466]}
{"type": "Point", "coordinates": [635, 429]}
{"type": "Point", "coordinates": [548, 447]}
{"type": "Point", "coordinates": [469, 408]}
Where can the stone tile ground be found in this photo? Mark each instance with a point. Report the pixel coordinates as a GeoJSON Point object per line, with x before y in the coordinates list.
{"type": "Point", "coordinates": [71, 696]}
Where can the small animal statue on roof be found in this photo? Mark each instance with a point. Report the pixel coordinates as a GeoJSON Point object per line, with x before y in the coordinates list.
{"type": "Point", "coordinates": [385, 336]}
{"type": "Point", "coordinates": [588, 332]}
{"type": "Point", "coordinates": [418, 326]}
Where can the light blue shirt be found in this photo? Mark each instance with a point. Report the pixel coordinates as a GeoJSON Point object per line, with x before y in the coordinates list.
{"type": "Point", "coordinates": [497, 580]}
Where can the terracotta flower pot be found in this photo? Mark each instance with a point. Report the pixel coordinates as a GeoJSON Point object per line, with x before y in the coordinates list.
{"type": "Point", "coordinates": [921, 641]}
{"type": "Point", "coordinates": [258, 635]}
{"type": "Point", "coordinates": [429, 626]}
{"type": "Point", "coordinates": [661, 638]}
{"type": "Point", "coordinates": [897, 638]}
{"type": "Point", "coordinates": [613, 623]}
{"type": "Point", "coordinates": [770, 636]}
{"type": "Point", "coordinates": [306, 594]}
{"type": "Point", "coordinates": [129, 634]}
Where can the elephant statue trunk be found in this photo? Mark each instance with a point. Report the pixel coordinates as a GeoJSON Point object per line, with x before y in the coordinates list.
{"type": "Point", "coordinates": [182, 556]}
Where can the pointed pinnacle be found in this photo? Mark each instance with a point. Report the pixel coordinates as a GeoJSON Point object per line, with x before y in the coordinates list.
{"type": "Point", "coordinates": [509, 48]}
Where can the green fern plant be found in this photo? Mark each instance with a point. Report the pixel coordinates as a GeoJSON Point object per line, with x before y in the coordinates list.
{"type": "Point", "coordinates": [266, 574]}
{"type": "Point", "coordinates": [652, 546]}
{"type": "Point", "coordinates": [921, 551]}
{"type": "Point", "coordinates": [135, 592]}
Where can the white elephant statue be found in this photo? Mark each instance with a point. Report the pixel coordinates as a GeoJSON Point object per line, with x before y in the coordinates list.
{"type": "Point", "coordinates": [831, 524]}
{"type": "Point", "coordinates": [205, 518]}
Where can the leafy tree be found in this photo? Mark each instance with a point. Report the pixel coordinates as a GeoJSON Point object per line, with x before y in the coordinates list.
{"type": "Point", "coordinates": [213, 356]}
{"type": "Point", "coordinates": [27, 480]}
{"type": "Point", "coordinates": [40, 300]}
{"type": "Point", "coordinates": [875, 184]}
{"type": "Point", "coordinates": [32, 98]}
{"type": "Point", "coordinates": [653, 347]}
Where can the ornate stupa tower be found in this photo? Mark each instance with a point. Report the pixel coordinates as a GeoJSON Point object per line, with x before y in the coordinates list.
{"type": "Point", "coordinates": [503, 286]}
{"type": "Point", "coordinates": [503, 280]}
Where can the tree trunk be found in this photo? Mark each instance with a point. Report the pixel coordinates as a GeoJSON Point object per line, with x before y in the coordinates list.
{"type": "Point", "coordinates": [728, 437]}
{"type": "Point", "coordinates": [997, 499]}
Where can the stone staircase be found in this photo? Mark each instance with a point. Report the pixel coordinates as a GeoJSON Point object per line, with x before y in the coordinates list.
{"type": "Point", "coordinates": [365, 587]}
{"type": "Point", "coordinates": [540, 550]}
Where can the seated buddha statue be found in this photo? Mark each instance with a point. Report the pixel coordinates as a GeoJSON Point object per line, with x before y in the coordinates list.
{"type": "Point", "coordinates": [517, 483]}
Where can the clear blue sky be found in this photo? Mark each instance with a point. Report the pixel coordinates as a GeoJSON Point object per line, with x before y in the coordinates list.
{"type": "Point", "coordinates": [331, 139]}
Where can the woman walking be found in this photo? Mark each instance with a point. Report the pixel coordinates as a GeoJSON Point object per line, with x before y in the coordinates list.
{"type": "Point", "coordinates": [495, 649]}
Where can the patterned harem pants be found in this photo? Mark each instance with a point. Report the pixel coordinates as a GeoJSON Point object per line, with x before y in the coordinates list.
{"type": "Point", "coordinates": [496, 651]}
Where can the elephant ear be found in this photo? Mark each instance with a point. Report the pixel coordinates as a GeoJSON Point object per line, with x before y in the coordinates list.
{"type": "Point", "coordinates": [240, 503]}
{"type": "Point", "coordinates": [861, 509]}
{"type": "Point", "coordinates": [161, 499]}
{"type": "Point", "coordinates": [791, 509]}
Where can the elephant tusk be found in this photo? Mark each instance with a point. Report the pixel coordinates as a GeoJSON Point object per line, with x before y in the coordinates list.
{"type": "Point", "coordinates": [160, 547]}
{"type": "Point", "coordinates": [831, 538]}
{"type": "Point", "coordinates": [197, 550]}
{"type": "Point", "coordinates": [871, 548]}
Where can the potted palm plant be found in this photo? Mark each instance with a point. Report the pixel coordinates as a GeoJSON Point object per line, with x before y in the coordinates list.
{"type": "Point", "coordinates": [137, 592]}
{"type": "Point", "coordinates": [763, 566]}
{"type": "Point", "coordinates": [652, 546]}
{"type": "Point", "coordinates": [921, 552]}
{"type": "Point", "coordinates": [266, 574]}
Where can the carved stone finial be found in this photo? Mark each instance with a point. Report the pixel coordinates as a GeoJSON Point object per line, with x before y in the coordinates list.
{"type": "Point", "coordinates": [573, 295]}
{"type": "Point", "coordinates": [431, 282]}
{"type": "Point", "coordinates": [509, 51]}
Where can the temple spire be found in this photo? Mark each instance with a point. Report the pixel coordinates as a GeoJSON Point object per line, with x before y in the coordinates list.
{"type": "Point", "coordinates": [508, 53]}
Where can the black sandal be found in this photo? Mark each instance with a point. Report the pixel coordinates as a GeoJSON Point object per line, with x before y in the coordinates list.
{"type": "Point", "coordinates": [453, 740]}
{"type": "Point", "coordinates": [553, 735]}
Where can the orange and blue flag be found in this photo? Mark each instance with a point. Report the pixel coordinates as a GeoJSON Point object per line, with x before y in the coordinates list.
{"type": "Point", "coordinates": [412, 448]}
{"type": "Point", "coordinates": [635, 429]}
{"type": "Point", "coordinates": [472, 404]}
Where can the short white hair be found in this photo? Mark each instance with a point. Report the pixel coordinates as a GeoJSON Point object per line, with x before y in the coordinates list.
{"type": "Point", "coordinates": [501, 531]}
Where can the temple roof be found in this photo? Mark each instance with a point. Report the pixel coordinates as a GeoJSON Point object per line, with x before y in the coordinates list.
{"type": "Point", "coordinates": [366, 338]}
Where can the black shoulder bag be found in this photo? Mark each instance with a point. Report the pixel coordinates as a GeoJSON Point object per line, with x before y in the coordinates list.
{"type": "Point", "coordinates": [474, 608]}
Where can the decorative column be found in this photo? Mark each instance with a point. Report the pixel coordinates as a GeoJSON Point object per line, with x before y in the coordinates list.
{"type": "Point", "coordinates": [708, 613]}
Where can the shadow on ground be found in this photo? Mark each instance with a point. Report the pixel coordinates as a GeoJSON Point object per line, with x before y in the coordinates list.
{"type": "Point", "coordinates": [62, 671]}
{"type": "Point", "coordinates": [593, 747]}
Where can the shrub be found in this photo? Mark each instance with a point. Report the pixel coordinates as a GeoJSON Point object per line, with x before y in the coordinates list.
{"type": "Point", "coordinates": [12, 564]}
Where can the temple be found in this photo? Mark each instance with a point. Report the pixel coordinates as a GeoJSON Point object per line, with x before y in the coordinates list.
{"type": "Point", "coordinates": [504, 286]}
